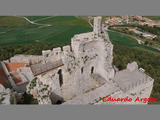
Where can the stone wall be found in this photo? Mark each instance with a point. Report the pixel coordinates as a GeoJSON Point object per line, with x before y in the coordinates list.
{"type": "Point", "coordinates": [4, 95]}
{"type": "Point", "coordinates": [89, 53]}
{"type": "Point", "coordinates": [85, 75]}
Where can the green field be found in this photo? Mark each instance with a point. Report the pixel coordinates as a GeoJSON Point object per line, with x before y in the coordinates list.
{"type": "Point", "coordinates": [57, 19]}
{"type": "Point", "coordinates": [35, 18]}
{"type": "Point", "coordinates": [11, 21]}
{"type": "Point", "coordinates": [127, 50]}
{"type": "Point", "coordinates": [153, 17]}
{"type": "Point", "coordinates": [122, 39]}
{"type": "Point", "coordinates": [17, 30]}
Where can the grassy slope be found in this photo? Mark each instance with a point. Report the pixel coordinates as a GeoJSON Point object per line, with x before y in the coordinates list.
{"type": "Point", "coordinates": [11, 21]}
{"type": "Point", "coordinates": [61, 31]}
{"type": "Point", "coordinates": [127, 50]}
{"type": "Point", "coordinates": [127, 41]}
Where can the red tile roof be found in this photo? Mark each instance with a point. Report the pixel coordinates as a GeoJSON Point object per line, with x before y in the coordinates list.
{"type": "Point", "coordinates": [16, 77]}
{"type": "Point", "coordinates": [2, 75]}
{"type": "Point", "coordinates": [12, 67]}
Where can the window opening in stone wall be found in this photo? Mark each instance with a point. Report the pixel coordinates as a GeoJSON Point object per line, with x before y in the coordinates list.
{"type": "Point", "coordinates": [92, 70]}
{"type": "Point", "coordinates": [82, 70]}
{"type": "Point", "coordinates": [60, 77]}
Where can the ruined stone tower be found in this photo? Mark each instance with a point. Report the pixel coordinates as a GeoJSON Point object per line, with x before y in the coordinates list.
{"type": "Point", "coordinates": [81, 73]}
{"type": "Point", "coordinates": [75, 69]}
{"type": "Point", "coordinates": [97, 25]}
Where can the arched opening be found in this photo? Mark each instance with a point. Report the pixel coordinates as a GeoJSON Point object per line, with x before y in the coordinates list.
{"type": "Point", "coordinates": [82, 70]}
{"type": "Point", "coordinates": [60, 77]}
{"type": "Point", "coordinates": [58, 102]}
{"type": "Point", "coordinates": [56, 99]}
{"type": "Point", "coordinates": [92, 70]}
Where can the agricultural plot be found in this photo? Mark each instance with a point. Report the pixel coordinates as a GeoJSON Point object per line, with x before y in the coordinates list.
{"type": "Point", "coordinates": [12, 21]}
{"type": "Point", "coordinates": [34, 18]}
{"type": "Point", "coordinates": [20, 31]}
{"type": "Point", "coordinates": [57, 19]}
{"type": "Point", "coordinates": [122, 39]}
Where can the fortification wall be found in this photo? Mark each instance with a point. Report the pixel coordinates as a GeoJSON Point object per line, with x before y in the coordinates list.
{"type": "Point", "coordinates": [141, 91]}
{"type": "Point", "coordinates": [87, 55]}
{"type": "Point", "coordinates": [30, 59]}
{"type": "Point", "coordinates": [4, 95]}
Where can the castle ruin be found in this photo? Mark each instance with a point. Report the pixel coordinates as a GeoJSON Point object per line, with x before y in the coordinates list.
{"type": "Point", "coordinates": [78, 74]}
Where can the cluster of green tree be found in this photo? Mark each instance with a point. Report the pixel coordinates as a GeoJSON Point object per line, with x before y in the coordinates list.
{"type": "Point", "coordinates": [12, 100]}
{"type": "Point", "coordinates": [29, 49]}
{"type": "Point", "coordinates": [145, 59]}
{"type": "Point", "coordinates": [153, 43]}
{"type": "Point", "coordinates": [154, 30]}
{"type": "Point", "coordinates": [126, 31]}
{"type": "Point", "coordinates": [150, 43]}
{"type": "Point", "coordinates": [28, 99]}
{"type": "Point", "coordinates": [145, 28]}
{"type": "Point", "coordinates": [33, 83]}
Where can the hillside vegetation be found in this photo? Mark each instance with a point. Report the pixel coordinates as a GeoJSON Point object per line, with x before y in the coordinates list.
{"type": "Point", "coordinates": [145, 59]}
{"type": "Point", "coordinates": [127, 50]}
{"type": "Point", "coordinates": [122, 39]}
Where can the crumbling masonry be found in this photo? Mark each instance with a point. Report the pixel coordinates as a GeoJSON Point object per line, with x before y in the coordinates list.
{"type": "Point", "coordinates": [81, 73]}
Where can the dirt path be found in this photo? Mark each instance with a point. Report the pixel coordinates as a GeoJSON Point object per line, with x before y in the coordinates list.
{"type": "Point", "coordinates": [32, 22]}
{"type": "Point", "coordinates": [89, 21]}
{"type": "Point", "coordinates": [139, 41]}
{"type": "Point", "coordinates": [43, 18]}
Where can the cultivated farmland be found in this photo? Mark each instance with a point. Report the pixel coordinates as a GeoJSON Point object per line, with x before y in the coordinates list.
{"type": "Point", "coordinates": [16, 30]}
